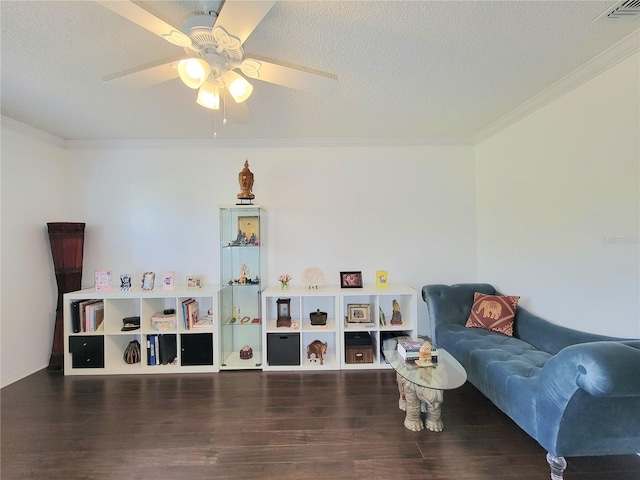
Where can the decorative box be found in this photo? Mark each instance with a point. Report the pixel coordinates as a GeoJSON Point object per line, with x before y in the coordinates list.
{"type": "Point", "coordinates": [358, 347]}
{"type": "Point", "coordinates": [318, 318]}
{"type": "Point", "coordinates": [163, 321]}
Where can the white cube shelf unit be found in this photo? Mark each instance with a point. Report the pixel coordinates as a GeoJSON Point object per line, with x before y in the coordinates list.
{"type": "Point", "coordinates": [101, 351]}
{"type": "Point", "coordinates": [286, 347]}
{"type": "Point", "coordinates": [380, 303]}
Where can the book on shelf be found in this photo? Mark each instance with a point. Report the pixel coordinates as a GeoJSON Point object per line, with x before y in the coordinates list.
{"type": "Point", "coordinates": [87, 316]}
{"type": "Point", "coordinates": [409, 349]}
{"type": "Point", "coordinates": [186, 312]}
{"type": "Point", "coordinates": [151, 350]}
{"type": "Point", "coordinates": [203, 322]}
{"type": "Point", "coordinates": [191, 313]}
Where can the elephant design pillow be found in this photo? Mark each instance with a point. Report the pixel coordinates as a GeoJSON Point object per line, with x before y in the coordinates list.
{"type": "Point", "coordinates": [493, 312]}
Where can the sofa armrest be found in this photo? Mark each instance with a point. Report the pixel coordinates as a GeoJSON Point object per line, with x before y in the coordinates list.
{"type": "Point", "coordinates": [601, 369]}
{"type": "Point", "coordinates": [607, 369]}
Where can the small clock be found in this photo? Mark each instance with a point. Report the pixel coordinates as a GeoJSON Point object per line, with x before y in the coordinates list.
{"type": "Point", "coordinates": [284, 312]}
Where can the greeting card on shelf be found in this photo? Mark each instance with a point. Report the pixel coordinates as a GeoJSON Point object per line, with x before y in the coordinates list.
{"type": "Point", "coordinates": [102, 280]}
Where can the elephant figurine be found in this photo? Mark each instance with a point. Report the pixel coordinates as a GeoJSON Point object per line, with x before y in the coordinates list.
{"type": "Point", "coordinates": [317, 348]}
{"type": "Point", "coordinates": [491, 309]}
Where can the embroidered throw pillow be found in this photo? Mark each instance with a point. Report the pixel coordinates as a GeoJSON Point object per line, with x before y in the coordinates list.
{"type": "Point", "coordinates": [493, 312]}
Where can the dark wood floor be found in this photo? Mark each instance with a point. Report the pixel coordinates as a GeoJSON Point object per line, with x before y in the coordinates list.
{"type": "Point", "coordinates": [262, 425]}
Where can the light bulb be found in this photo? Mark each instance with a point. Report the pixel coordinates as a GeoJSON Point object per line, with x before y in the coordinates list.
{"type": "Point", "coordinates": [193, 71]}
{"type": "Point", "coordinates": [238, 87]}
{"type": "Point", "coordinates": [209, 96]}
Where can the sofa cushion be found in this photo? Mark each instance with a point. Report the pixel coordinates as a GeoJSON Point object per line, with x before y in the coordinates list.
{"type": "Point", "coordinates": [493, 312]}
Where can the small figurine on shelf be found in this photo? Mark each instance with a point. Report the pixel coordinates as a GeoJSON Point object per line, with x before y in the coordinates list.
{"type": "Point", "coordinates": [244, 274]}
{"type": "Point", "coordinates": [245, 179]}
{"type": "Point", "coordinates": [317, 348]}
{"type": "Point", "coordinates": [246, 352]}
{"type": "Point", "coordinates": [396, 318]}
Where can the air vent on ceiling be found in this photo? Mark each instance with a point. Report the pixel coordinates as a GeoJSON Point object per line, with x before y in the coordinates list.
{"type": "Point", "coordinates": [623, 9]}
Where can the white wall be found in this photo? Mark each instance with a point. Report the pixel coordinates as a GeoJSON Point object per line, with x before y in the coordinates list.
{"type": "Point", "coordinates": [34, 192]}
{"type": "Point", "coordinates": [559, 206]}
{"type": "Point", "coordinates": [408, 210]}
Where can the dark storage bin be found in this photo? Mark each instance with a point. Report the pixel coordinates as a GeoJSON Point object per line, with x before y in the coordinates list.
{"type": "Point", "coordinates": [196, 349]}
{"type": "Point", "coordinates": [283, 349]}
{"type": "Point", "coordinates": [87, 351]}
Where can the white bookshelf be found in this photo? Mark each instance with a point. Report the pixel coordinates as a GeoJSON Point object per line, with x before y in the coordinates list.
{"type": "Point", "coordinates": [101, 352]}
{"type": "Point", "coordinates": [334, 301]}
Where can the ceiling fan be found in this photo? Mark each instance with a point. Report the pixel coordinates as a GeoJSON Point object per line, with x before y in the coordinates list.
{"type": "Point", "coordinates": [213, 45]}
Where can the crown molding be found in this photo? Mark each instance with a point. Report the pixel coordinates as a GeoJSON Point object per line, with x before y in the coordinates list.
{"type": "Point", "coordinates": [267, 143]}
{"type": "Point", "coordinates": [622, 50]}
{"type": "Point", "coordinates": [33, 132]}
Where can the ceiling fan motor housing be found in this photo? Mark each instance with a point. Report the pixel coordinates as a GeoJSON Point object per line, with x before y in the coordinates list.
{"type": "Point", "coordinates": [221, 50]}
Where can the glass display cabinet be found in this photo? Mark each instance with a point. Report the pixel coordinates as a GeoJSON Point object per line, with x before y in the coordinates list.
{"type": "Point", "coordinates": [242, 271]}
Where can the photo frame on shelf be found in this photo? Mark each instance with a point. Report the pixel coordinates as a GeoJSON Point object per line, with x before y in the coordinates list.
{"type": "Point", "coordinates": [102, 280]}
{"type": "Point", "coordinates": [125, 282]}
{"type": "Point", "coordinates": [195, 282]}
{"type": "Point", "coordinates": [168, 280]}
{"type": "Point", "coordinates": [358, 313]}
{"type": "Point", "coordinates": [382, 279]}
{"type": "Point", "coordinates": [248, 230]}
{"type": "Point", "coordinates": [148, 280]}
{"type": "Point", "coordinates": [350, 279]}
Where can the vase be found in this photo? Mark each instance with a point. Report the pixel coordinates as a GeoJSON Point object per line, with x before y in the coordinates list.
{"type": "Point", "coordinates": [67, 242]}
{"type": "Point", "coordinates": [284, 285]}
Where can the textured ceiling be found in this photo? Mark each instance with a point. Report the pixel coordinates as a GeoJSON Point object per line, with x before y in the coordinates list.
{"type": "Point", "coordinates": [425, 69]}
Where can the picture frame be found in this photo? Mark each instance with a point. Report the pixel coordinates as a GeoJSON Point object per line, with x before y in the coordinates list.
{"type": "Point", "coordinates": [168, 280]}
{"type": "Point", "coordinates": [102, 281]}
{"type": "Point", "coordinates": [248, 230]}
{"type": "Point", "coordinates": [382, 279]}
{"type": "Point", "coordinates": [195, 282]}
{"type": "Point", "coordinates": [148, 280]}
{"type": "Point", "coordinates": [359, 313]}
{"type": "Point", "coordinates": [350, 279]}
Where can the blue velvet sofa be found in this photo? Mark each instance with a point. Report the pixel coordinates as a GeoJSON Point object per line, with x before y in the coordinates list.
{"type": "Point", "coordinates": [575, 393]}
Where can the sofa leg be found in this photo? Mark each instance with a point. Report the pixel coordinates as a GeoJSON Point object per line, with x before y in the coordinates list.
{"type": "Point", "coordinates": [557, 464]}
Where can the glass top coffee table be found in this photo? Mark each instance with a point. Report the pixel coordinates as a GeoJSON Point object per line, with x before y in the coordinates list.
{"type": "Point", "coordinates": [423, 385]}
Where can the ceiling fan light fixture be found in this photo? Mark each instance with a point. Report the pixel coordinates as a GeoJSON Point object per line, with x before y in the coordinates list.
{"type": "Point", "coordinates": [238, 87]}
{"type": "Point", "coordinates": [209, 96]}
{"type": "Point", "coordinates": [193, 72]}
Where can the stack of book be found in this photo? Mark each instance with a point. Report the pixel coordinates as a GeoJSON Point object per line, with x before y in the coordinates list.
{"type": "Point", "coordinates": [87, 315]}
{"type": "Point", "coordinates": [161, 349]}
{"type": "Point", "coordinates": [409, 350]}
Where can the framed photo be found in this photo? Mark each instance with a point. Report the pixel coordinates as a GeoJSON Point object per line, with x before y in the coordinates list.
{"type": "Point", "coordinates": [148, 280]}
{"type": "Point", "coordinates": [195, 282]}
{"type": "Point", "coordinates": [248, 231]}
{"type": "Point", "coordinates": [168, 280]}
{"type": "Point", "coordinates": [102, 280]}
{"type": "Point", "coordinates": [382, 279]}
{"type": "Point", "coordinates": [351, 279]}
{"type": "Point", "coordinates": [358, 313]}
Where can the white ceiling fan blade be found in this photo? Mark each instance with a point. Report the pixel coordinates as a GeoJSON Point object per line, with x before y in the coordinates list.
{"type": "Point", "coordinates": [237, 112]}
{"type": "Point", "coordinates": [320, 83]}
{"type": "Point", "coordinates": [141, 17]}
{"type": "Point", "coordinates": [145, 75]}
{"type": "Point", "coordinates": [240, 18]}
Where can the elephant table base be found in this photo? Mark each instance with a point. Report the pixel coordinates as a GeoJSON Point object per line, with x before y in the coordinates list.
{"type": "Point", "coordinates": [412, 397]}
